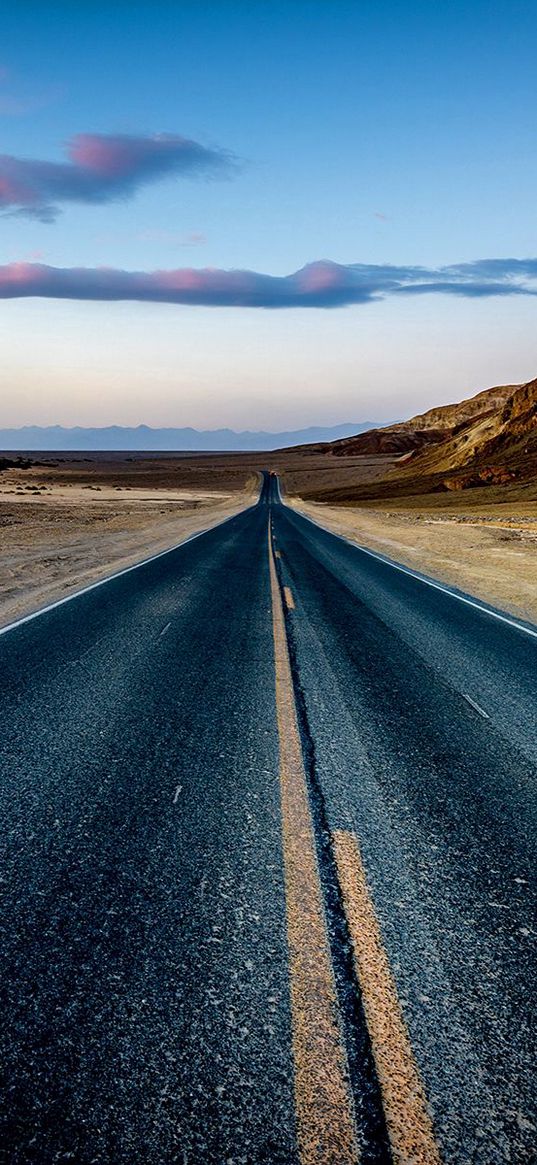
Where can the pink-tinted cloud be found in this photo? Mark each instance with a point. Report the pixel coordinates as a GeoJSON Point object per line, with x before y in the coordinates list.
{"type": "Point", "coordinates": [101, 168]}
{"type": "Point", "coordinates": [321, 284]}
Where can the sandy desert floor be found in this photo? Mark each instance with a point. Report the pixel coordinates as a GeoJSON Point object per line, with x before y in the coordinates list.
{"type": "Point", "coordinates": [492, 555]}
{"type": "Point", "coordinates": [68, 535]}
{"type": "Point", "coordinates": [66, 524]}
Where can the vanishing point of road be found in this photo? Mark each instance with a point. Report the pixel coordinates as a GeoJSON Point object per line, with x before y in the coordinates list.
{"type": "Point", "coordinates": [268, 850]}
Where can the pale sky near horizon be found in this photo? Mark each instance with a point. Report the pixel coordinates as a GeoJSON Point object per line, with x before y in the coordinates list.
{"type": "Point", "coordinates": [387, 148]}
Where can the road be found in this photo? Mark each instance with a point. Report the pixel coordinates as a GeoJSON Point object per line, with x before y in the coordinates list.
{"type": "Point", "coordinates": [269, 814]}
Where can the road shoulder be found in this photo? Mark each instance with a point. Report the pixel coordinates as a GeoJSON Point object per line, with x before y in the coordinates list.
{"type": "Point", "coordinates": [50, 553]}
{"type": "Point", "coordinates": [493, 559]}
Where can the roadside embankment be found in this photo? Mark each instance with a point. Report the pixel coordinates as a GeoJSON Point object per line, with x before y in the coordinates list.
{"type": "Point", "coordinates": [67, 537]}
{"type": "Point", "coordinates": [492, 556]}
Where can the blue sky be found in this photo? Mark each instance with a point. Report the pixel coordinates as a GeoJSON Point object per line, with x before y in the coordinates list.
{"type": "Point", "coordinates": [378, 134]}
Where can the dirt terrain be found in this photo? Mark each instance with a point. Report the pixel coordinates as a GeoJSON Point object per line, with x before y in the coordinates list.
{"type": "Point", "coordinates": [63, 526]}
{"type": "Point", "coordinates": [490, 552]}
{"type": "Point", "coordinates": [452, 492]}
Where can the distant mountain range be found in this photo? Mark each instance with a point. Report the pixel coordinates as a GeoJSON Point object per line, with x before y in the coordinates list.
{"type": "Point", "coordinates": [118, 437]}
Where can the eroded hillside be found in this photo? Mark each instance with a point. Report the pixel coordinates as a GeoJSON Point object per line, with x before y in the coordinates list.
{"type": "Point", "coordinates": [488, 440]}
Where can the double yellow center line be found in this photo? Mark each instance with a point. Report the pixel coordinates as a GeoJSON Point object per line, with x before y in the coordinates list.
{"type": "Point", "coordinates": [326, 1125]}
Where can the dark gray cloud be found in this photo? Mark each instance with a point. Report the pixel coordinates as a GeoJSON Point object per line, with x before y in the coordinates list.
{"type": "Point", "coordinates": [322, 284]}
{"type": "Point", "coordinates": [100, 168]}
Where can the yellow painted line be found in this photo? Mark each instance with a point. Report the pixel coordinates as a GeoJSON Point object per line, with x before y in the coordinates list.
{"type": "Point", "coordinates": [323, 1101]}
{"type": "Point", "coordinates": [289, 598]}
{"type": "Point", "coordinates": [405, 1106]}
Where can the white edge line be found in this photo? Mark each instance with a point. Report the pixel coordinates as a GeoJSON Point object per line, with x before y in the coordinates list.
{"type": "Point", "coordinates": [475, 705]}
{"type": "Point", "coordinates": [100, 582]}
{"type": "Point", "coordinates": [422, 578]}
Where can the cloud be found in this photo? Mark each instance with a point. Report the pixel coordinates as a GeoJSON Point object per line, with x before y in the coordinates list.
{"type": "Point", "coordinates": [172, 238]}
{"type": "Point", "coordinates": [322, 284]}
{"type": "Point", "coordinates": [101, 168]}
{"type": "Point", "coordinates": [17, 101]}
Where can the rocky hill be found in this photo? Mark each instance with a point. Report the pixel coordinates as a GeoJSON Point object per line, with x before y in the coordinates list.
{"type": "Point", "coordinates": [497, 445]}
{"type": "Point", "coordinates": [430, 428]}
{"type": "Point", "coordinates": [490, 439]}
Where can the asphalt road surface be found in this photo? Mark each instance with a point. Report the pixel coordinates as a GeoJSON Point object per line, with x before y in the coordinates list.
{"type": "Point", "coordinates": [158, 1002]}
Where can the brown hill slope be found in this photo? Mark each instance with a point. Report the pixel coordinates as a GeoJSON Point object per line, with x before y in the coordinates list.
{"type": "Point", "coordinates": [450, 416]}
{"type": "Point", "coordinates": [430, 428]}
{"type": "Point", "coordinates": [490, 439]}
{"type": "Point", "coordinates": [504, 438]}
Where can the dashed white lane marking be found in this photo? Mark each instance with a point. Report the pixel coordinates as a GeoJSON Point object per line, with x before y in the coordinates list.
{"type": "Point", "coordinates": [164, 630]}
{"type": "Point", "coordinates": [476, 706]}
{"type": "Point", "coordinates": [177, 791]}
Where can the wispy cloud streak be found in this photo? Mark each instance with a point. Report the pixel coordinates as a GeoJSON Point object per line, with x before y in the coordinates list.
{"type": "Point", "coordinates": [101, 168]}
{"type": "Point", "coordinates": [322, 284]}
{"type": "Point", "coordinates": [16, 100]}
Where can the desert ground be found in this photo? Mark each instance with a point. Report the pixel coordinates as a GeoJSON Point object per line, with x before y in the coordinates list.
{"type": "Point", "coordinates": [66, 523]}
{"type": "Point", "coordinates": [488, 551]}
{"type": "Point", "coordinates": [67, 519]}
{"type": "Point", "coordinates": [452, 492]}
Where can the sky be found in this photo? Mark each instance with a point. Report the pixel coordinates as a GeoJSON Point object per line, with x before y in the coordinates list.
{"type": "Point", "coordinates": [264, 214]}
